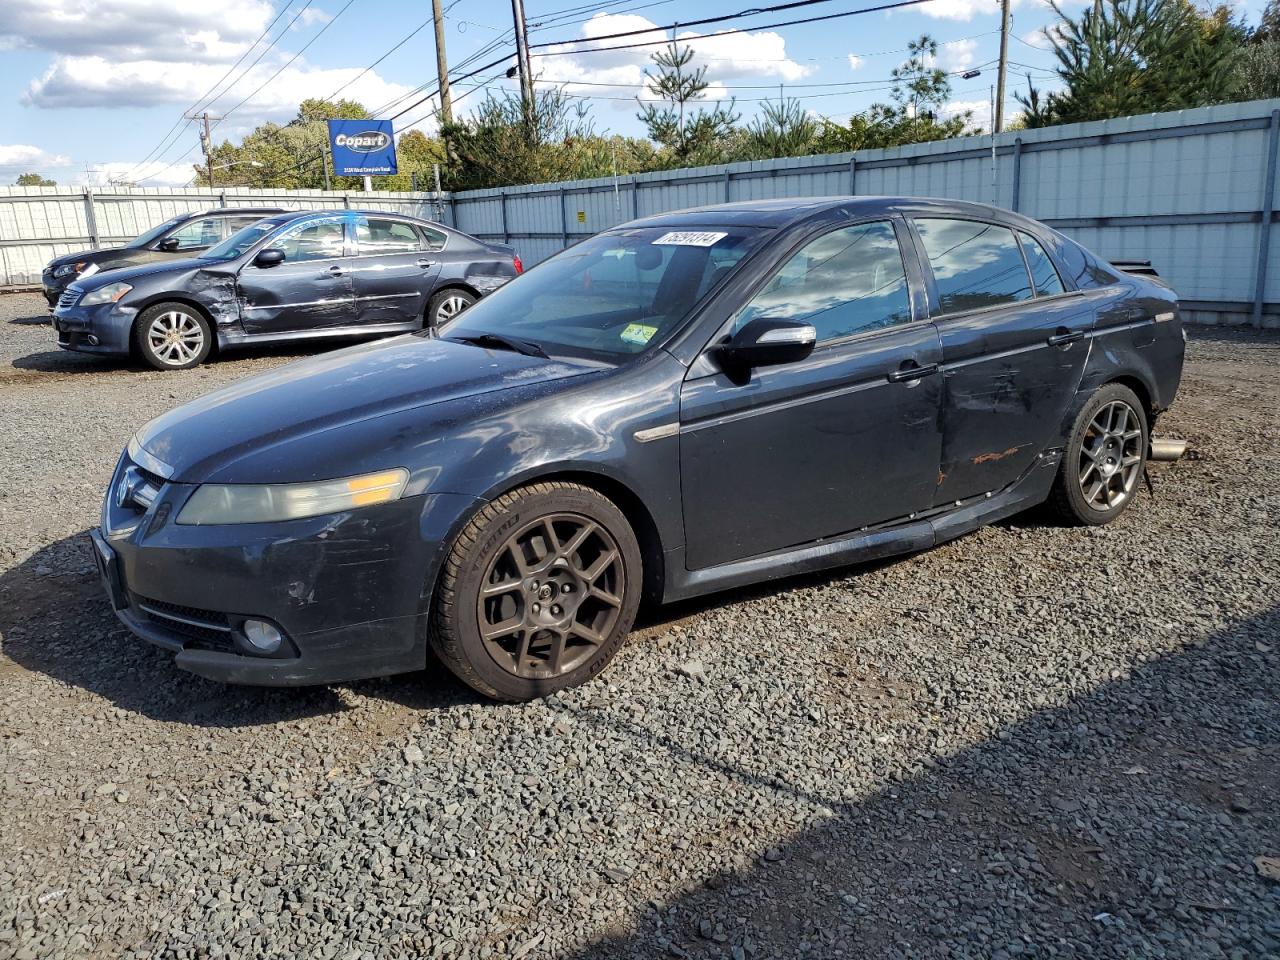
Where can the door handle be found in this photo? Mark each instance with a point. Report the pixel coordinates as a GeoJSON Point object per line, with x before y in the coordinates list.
{"type": "Point", "coordinates": [910, 370]}
{"type": "Point", "coordinates": [424, 263]}
{"type": "Point", "coordinates": [1065, 336]}
{"type": "Point", "coordinates": [335, 270]}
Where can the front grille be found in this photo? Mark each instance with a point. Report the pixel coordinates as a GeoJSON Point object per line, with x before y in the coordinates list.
{"type": "Point", "coordinates": [207, 627]}
{"type": "Point", "coordinates": [69, 298]}
{"type": "Point", "coordinates": [137, 489]}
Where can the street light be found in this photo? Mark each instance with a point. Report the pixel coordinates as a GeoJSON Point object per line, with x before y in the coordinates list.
{"type": "Point", "coordinates": [236, 163]}
{"type": "Point", "coordinates": [970, 74]}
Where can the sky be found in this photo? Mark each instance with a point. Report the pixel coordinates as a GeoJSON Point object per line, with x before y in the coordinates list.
{"type": "Point", "coordinates": [97, 89]}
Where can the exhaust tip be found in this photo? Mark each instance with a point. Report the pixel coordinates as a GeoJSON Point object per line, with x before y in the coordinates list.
{"type": "Point", "coordinates": [1167, 450]}
{"type": "Point", "coordinates": [93, 340]}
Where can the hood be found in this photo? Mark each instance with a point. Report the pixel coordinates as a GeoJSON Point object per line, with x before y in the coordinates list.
{"type": "Point", "coordinates": [92, 256]}
{"type": "Point", "coordinates": [340, 411]}
{"type": "Point", "coordinates": [114, 274]}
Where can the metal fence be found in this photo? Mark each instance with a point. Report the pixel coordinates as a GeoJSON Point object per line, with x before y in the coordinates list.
{"type": "Point", "coordinates": [40, 223]}
{"type": "Point", "coordinates": [1193, 191]}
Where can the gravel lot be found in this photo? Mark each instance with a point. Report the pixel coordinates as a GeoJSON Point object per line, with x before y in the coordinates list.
{"type": "Point", "coordinates": [1031, 742]}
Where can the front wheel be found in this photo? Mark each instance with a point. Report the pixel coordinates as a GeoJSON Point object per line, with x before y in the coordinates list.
{"type": "Point", "coordinates": [172, 336]}
{"type": "Point", "coordinates": [446, 305]}
{"type": "Point", "coordinates": [1104, 459]}
{"type": "Point", "coordinates": [538, 592]}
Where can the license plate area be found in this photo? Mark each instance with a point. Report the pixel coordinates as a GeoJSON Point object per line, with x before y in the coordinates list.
{"type": "Point", "coordinates": [108, 565]}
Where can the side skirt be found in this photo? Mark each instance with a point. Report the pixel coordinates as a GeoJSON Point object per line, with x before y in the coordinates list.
{"type": "Point", "coordinates": [908, 535]}
{"type": "Point", "coordinates": [236, 338]}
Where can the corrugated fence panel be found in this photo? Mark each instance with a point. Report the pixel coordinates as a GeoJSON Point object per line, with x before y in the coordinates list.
{"type": "Point", "coordinates": [1183, 189]}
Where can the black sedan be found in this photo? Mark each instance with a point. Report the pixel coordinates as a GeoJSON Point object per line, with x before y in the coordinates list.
{"type": "Point", "coordinates": [679, 405]}
{"type": "Point", "coordinates": [185, 235]}
{"type": "Point", "coordinates": [292, 276]}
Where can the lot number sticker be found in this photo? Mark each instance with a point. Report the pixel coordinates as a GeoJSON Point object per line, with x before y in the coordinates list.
{"type": "Point", "coordinates": [638, 333]}
{"type": "Point", "coordinates": [689, 239]}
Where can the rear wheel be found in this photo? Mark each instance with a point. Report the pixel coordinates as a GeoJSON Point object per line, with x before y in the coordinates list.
{"type": "Point", "coordinates": [172, 336]}
{"type": "Point", "coordinates": [446, 305]}
{"type": "Point", "coordinates": [538, 592]}
{"type": "Point", "coordinates": [1104, 459]}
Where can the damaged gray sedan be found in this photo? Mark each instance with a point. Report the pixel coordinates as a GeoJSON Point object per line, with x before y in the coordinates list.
{"type": "Point", "coordinates": [293, 276]}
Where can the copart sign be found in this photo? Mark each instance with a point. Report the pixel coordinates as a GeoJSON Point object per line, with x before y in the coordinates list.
{"type": "Point", "coordinates": [362, 148]}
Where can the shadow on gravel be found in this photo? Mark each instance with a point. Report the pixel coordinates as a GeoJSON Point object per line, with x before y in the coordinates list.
{"type": "Point", "coordinates": [1122, 823]}
{"type": "Point", "coordinates": [54, 620]}
{"type": "Point", "coordinates": [32, 321]}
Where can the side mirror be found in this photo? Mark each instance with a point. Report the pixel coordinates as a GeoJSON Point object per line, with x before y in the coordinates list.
{"type": "Point", "coordinates": [169, 244]}
{"type": "Point", "coordinates": [766, 342]}
{"type": "Point", "coordinates": [270, 257]}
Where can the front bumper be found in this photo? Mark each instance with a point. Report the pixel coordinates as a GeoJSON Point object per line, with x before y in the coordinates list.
{"type": "Point", "coordinates": [350, 592]}
{"type": "Point", "coordinates": [105, 328]}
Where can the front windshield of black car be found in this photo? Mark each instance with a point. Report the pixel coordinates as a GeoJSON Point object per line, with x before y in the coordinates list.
{"type": "Point", "coordinates": [241, 241]}
{"type": "Point", "coordinates": [144, 239]}
{"type": "Point", "coordinates": [612, 295]}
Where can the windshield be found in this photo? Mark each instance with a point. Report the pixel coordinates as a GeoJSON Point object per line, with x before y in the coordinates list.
{"type": "Point", "coordinates": [142, 239]}
{"type": "Point", "coordinates": [241, 241]}
{"type": "Point", "coordinates": [612, 295]}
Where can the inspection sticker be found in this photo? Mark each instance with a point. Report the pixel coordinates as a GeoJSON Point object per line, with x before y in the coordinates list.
{"type": "Point", "coordinates": [690, 239]}
{"type": "Point", "coordinates": [638, 333]}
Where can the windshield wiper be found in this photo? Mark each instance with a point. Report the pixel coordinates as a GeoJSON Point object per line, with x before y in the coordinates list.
{"type": "Point", "coordinates": [502, 342]}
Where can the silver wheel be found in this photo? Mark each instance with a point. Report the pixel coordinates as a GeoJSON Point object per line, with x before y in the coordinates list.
{"type": "Point", "coordinates": [450, 307]}
{"type": "Point", "coordinates": [1111, 456]}
{"type": "Point", "coordinates": [175, 338]}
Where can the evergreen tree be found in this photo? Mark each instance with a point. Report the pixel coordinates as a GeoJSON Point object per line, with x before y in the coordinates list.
{"type": "Point", "coordinates": [783, 129]}
{"type": "Point", "coordinates": [686, 137]}
{"type": "Point", "coordinates": [1128, 57]}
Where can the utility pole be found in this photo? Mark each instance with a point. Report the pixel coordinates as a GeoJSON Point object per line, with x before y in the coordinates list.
{"type": "Point", "coordinates": [1004, 66]}
{"type": "Point", "coordinates": [206, 140]}
{"type": "Point", "coordinates": [522, 54]}
{"type": "Point", "coordinates": [442, 64]}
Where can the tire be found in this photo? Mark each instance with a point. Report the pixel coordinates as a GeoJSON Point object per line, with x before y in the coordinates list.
{"type": "Point", "coordinates": [1104, 460]}
{"type": "Point", "coordinates": [445, 305]}
{"type": "Point", "coordinates": [564, 615]}
{"type": "Point", "coordinates": [172, 336]}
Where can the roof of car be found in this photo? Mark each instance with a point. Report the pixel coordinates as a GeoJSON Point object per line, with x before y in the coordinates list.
{"type": "Point", "coordinates": [784, 211]}
{"type": "Point", "coordinates": [265, 211]}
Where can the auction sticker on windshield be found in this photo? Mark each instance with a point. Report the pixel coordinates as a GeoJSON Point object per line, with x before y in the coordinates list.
{"type": "Point", "coordinates": [638, 333]}
{"type": "Point", "coordinates": [691, 239]}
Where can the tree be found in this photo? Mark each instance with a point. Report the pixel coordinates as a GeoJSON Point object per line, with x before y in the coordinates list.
{"type": "Point", "coordinates": [499, 145]}
{"type": "Point", "coordinates": [686, 137]}
{"type": "Point", "coordinates": [783, 129]}
{"type": "Point", "coordinates": [1127, 57]}
{"type": "Point", "coordinates": [34, 180]}
{"type": "Point", "coordinates": [919, 97]}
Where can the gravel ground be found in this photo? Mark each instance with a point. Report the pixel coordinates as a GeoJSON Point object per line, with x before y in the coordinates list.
{"type": "Point", "coordinates": [1030, 742]}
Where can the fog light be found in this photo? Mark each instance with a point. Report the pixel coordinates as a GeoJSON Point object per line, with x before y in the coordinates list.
{"type": "Point", "coordinates": [262, 636]}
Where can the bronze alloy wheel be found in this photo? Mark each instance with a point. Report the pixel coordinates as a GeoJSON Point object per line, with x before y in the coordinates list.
{"type": "Point", "coordinates": [538, 591]}
{"type": "Point", "coordinates": [551, 597]}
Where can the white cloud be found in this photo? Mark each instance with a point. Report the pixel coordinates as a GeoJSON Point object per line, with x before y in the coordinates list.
{"type": "Point", "coordinates": [728, 58]}
{"type": "Point", "coordinates": [311, 17]}
{"type": "Point", "coordinates": [855, 61]}
{"type": "Point", "coordinates": [26, 155]}
{"type": "Point", "coordinates": [959, 9]}
{"type": "Point", "coordinates": [981, 110]}
{"type": "Point", "coordinates": [97, 82]}
{"type": "Point", "coordinates": [958, 55]}
{"type": "Point", "coordinates": [155, 173]}
{"type": "Point", "coordinates": [179, 32]}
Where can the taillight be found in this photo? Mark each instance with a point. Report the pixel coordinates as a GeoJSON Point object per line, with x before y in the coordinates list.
{"type": "Point", "coordinates": [515, 262]}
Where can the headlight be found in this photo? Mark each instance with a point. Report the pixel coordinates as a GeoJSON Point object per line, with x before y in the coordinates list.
{"type": "Point", "coordinates": [264, 503]}
{"type": "Point", "coordinates": [68, 268]}
{"type": "Point", "coordinates": [110, 293]}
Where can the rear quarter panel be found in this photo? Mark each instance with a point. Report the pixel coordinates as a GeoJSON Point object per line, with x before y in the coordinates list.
{"type": "Point", "coordinates": [1137, 338]}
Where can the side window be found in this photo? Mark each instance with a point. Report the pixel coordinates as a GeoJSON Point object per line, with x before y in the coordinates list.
{"type": "Point", "coordinates": [375, 235]}
{"type": "Point", "coordinates": [435, 238]}
{"type": "Point", "coordinates": [315, 240]}
{"type": "Point", "coordinates": [1082, 267]}
{"type": "Point", "coordinates": [1044, 275]}
{"type": "Point", "coordinates": [974, 264]}
{"type": "Point", "coordinates": [194, 235]}
{"type": "Point", "coordinates": [843, 282]}
{"type": "Point", "coordinates": [240, 221]}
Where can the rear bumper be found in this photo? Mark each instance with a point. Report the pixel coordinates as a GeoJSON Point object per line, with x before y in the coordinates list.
{"type": "Point", "coordinates": [349, 592]}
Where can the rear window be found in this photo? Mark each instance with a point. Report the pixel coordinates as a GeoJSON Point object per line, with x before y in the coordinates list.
{"type": "Point", "coordinates": [975, 264]}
